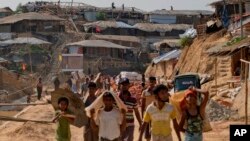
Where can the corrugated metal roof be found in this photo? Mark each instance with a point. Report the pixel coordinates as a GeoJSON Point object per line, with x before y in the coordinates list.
{"type": "Point", "coordinates": [29, 16]}
{"type": "Point", "coordinates": [167, 56]}
{"type": "Point", "coordinates": [24, 40]}
{"type": "Point", "coordinates": [181, 12]}
{"type": "Point", "coordinates": [97, 44]}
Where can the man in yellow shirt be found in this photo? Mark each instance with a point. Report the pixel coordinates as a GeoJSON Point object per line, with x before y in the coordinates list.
{"type": "Point", "coordinates": [160, 113]}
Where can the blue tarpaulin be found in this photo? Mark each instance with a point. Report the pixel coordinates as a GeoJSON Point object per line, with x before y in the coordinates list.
{"type": "Point", "coordinates": [167, 56]}
{"type": "Point", "coordinates": [224, 16]}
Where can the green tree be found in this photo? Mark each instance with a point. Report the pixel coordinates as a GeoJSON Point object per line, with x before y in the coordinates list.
{"type": "Point", "coordinates": [100, 16]}
{"type": "Point", "coordinates": [19, 8]}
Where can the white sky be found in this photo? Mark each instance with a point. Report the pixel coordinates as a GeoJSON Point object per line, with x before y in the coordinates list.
{"type": "Point", "coordinates": [147, 5]}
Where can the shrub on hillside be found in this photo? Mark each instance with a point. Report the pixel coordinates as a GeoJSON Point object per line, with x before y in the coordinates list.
{"type": "Point", "coordinates": [186, 41]}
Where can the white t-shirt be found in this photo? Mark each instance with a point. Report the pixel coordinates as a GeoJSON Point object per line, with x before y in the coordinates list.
{"type": "Point", "coordinates": [109, 123]}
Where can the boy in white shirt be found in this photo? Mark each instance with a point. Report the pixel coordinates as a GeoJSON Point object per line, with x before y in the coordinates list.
{"type": "Point", "coordinates": [109, 120]}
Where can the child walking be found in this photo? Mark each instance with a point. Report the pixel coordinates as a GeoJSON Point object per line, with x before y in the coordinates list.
{"type": "Point", "coordinates": [109, 120]}
{"type": "Point", "coordinates": [63, 119]}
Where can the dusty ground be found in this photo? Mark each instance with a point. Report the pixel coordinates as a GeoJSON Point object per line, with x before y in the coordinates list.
{"type": "Point", "coordinates": [15, 131]}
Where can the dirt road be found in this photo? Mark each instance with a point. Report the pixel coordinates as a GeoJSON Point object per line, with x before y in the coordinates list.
{"type": "Point", "coordinates": [14, 131]}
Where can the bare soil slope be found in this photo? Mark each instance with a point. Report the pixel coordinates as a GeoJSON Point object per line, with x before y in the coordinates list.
{"type": "Point", "coordinates": [195, 59]}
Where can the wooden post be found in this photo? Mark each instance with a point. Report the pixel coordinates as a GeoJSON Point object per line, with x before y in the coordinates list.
{"type": "Point", "coordinates": [215, 74]}
{"type": "Point", "coordinates": [1, 78]}
{"type": "Point", "coordinates": [242, 66]}
{"type": "Point", "coordinates": [246, 101]}
{"type": "Point", "coordinates": [246, 89]}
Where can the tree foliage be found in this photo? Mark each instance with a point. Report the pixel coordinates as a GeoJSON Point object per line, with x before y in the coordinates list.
{"type": "Point", "coordinates": [100, 16]}
{"type": "Point", "coordinates": [186, 41]}
{"type": "Point", "coordinates": [19, 8]}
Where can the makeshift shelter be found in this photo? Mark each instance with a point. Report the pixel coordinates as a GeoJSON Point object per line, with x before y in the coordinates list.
{"type": "Point", "coordinates": [19, 43]}
{"type": "Point", "coordinates": [176, 16]}
{"type": "Point", "coordinates": [131, 41]}
{"type": "Point", "coordinates": [228, 58]}
{"type": "Point", "coordinates": [24, 40]}
{"type": "Point", "coordinates": [129, 15]}
{"type": "Point", "coordinates": [163, 66]}
{"type": "Point", "coordinates": [109, 28]}
{"type": "Point", "coordinates": [170, 30]}
{"type": "Point", "coordinates": [3, 62]}
{"type": "Point", "coordinates": [6, 11]}
{"type": "Point", "coordinates": [166, 45]}
{"type": "Point", "coordinates": [23, 49]}
{"type": "Point", "coordinates": [31, 22]}
{"type": "Point", "coordinates": [94, 55]}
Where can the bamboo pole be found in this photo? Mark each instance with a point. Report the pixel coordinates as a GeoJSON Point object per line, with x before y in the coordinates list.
{"type": "Point", "coordinates": [245, 61]}
{"type": "Point", "coordinates": [6, 118]}
{"type": "Point", "coordinates": [22, 104]}
{"type": "Point", "coordinates": [246, 101]}
{"type": "Point", "coordinates": [246, 89]}
{"type": "Point", "coordinates": [215, 75]}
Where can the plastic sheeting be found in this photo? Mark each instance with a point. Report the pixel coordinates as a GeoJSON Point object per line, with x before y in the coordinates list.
{"type": "Point", "coordinates": [191, 32]}
{"type": "Point", "coordinates": [132, 76]}
{"type": "Point", "coordinates": [167, 56]}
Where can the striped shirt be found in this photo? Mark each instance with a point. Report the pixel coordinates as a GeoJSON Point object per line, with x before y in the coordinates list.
{"type": "Point", "coordinates": [131, 104]}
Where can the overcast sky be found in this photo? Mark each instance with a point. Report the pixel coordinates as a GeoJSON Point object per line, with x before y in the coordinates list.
{"type": "Point", "coordinates": [147, 5]}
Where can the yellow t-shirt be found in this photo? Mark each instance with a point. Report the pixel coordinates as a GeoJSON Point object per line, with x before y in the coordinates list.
{"type": "Point", "coordinates": [160, 119]}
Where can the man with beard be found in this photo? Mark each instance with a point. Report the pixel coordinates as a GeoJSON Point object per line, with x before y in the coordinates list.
{"type": "Point", "coordinates": [159, 114]}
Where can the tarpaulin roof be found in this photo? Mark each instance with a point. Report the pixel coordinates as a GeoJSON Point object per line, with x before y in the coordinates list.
{"type": "Point", "coordinates": [2, 60]}
{"type": "Point", "coordinates": [117, 38]}
{"type": "Point", "coordinates": [167, 56]}
{"type": "Point", "coordinates": [24, 40]}
{"type": "Point", "coordinates": [97, 43]}
{"type": "Point", "coordinates": [150, 27]}
{"type": "Point", "coordinates": [107, 24]}
{"type": "Point", "coordinates": [29, 16]}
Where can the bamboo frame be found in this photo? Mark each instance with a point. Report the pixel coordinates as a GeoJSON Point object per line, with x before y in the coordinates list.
{"type": "Point", "coordinates": [246, 89]}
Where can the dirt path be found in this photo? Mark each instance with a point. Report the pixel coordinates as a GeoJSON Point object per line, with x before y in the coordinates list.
{"type": "Point", "coordinates": [29, 131]}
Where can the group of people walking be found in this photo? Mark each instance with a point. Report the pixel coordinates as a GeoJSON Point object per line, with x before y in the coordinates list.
{"type": "Point", "coordinates": [113, 122]}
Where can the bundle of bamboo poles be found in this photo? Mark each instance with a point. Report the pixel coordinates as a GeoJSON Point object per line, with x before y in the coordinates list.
{"type": "Point", "coordinates": [6, 118]}
{"type": "Point", "coordinates": [22, 104]}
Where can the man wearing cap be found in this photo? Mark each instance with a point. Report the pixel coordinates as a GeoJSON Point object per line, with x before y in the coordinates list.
{"type": "Point", "coordinates": [131, 104]}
